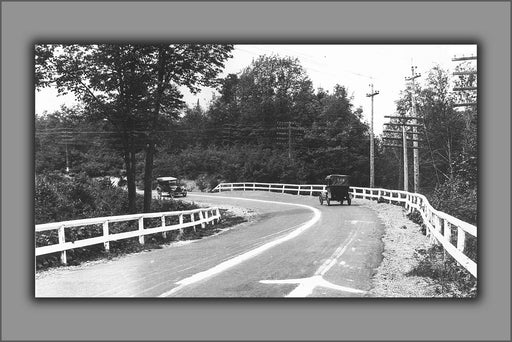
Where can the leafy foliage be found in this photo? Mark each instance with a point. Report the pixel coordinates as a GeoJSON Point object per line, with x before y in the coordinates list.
{"type": "Point", "coordinates": [130, 88]}
{"type": "Point", "coordinates": [458, 198]}
{"type": "Point", "coordinates": [61, 198]}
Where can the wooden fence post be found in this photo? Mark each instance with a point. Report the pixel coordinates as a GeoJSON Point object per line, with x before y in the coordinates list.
{"type": "Point", "coordinates": [62, 240]}
{"type": "Point", "coordinates": [181, 224]}
{"type": "Point", "coordinates": [437, 223]}
{"type": "Point", "coordinates": [447, 231]}
{"type": "Point", "coordinates": [164, 234]}
{"type": "Point", "coordinates": [193, 219]}
{"type": "Point", "coordinates": [461, 239]}
{"type": "Point", "coordinates": [106, 244]}
{"type": "Point", "coordinates": [141, 229]}
{"type": "Point", "coordinates": [202, 217]}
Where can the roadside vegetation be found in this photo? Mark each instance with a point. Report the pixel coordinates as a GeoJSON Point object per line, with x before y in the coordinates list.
{"type": "Point", "coordinates": [61, 198]}
{"type": "Point", "coordinates": [412, 266]}
{"type": "Point", "coordinates": [267, 124]}
{"type": "Point", "coordinates": [435, 263]}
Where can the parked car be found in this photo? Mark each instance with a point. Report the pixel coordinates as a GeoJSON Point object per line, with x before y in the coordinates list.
{"type": "Point", "coordinates": [170, 186]}
{"type": "Point", "coordinates": [337, 189]}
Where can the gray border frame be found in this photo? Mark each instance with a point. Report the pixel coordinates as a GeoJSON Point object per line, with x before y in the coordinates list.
{"type": "Point", "coordinates": [483, 22]}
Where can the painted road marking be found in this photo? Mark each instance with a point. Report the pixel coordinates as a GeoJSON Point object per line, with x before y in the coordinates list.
{"type": "Point", "coordinates": [307, 285]}
{"type": "Point", "coordinates": [360, 221]}
{"type": "Point", "coordinates": [250, 254]}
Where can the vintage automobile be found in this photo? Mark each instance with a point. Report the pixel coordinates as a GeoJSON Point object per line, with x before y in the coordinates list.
{"type": "Point", "coordinates": [337, 189]}
{"type": "Point", "coordinates": [169, 186]}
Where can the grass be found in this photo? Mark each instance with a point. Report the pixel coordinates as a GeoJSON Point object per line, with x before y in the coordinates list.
{"type": "Point", "coordinates": [453, 280]}
{"type": "Point", "coordinates": [436, 264]}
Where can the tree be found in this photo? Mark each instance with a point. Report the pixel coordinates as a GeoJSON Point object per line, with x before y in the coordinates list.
{"type": "Point", "coordinates": [270, 88]}
{"type": "Point", "coordinates": [338, 139]}
{"type": "Point", "coordinates": [133, 88]}
{"type": "Point", "coordinates": [444, 126]}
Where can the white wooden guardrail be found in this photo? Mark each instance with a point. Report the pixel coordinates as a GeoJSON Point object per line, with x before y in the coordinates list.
{"type": "Point", "coordinates": [298, 189]}
{"type": "Point", "coordinates": [449, 231]}
{"type": "Point", "coordinates": [189, 218]}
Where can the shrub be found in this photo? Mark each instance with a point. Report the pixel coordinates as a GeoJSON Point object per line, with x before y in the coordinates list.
{"type": "Point", "coordinates": [454, 280]}
{"type": "Point", "coordinates": [457, 198]}
{"type": "Point", "coordinates": [61, 198]}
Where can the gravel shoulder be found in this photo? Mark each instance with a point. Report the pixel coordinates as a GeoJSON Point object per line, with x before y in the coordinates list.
{"type": "Point", "coordinates": [402, 239]}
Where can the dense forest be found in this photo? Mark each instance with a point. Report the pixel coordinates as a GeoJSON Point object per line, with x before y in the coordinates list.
{"type": "Point", "coordinates": [267, 123]}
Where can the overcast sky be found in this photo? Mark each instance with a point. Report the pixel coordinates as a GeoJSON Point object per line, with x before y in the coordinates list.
{"type": "Point", "coordinates": [352, 66]}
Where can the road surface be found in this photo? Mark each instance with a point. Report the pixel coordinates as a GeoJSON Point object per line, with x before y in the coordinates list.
{"type": "Point", "coordinates": [294, 247]}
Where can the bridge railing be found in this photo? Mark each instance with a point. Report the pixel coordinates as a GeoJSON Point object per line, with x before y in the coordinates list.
{"type": "Point", "coordinates": [185, 219]}
{"type": "Point", "coordinates": [447, 230]}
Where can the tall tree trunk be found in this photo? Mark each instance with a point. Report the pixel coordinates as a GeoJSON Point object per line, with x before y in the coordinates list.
{"type": "Point", "coordinates": [129, 160]}
{"type": "Point", "coordinates": [148, 177]}
{"type": "Point", "coordinates": [150, 149]}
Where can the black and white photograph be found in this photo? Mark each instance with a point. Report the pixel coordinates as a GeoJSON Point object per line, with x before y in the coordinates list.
{"type": "Point", "coordinates": [226, 170]}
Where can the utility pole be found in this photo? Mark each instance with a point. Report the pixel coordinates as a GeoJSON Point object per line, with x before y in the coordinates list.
{"type": "Point", "coordinates": [67, 160]}
{"type": "Point", "coordinates": [287, 132]}
{"type": "Point", "coordinates": [465, 88]}
{"type": "Point", "coordinates": [372, 167]}
{"type": "Point", "coordinates": [289, 140]}
{"type": "Point", "coordinates": [416, 166]}
{"type": "Point", "coordinates": [406, 161]}
{"type": "Point", "coordinates": [402, 122]}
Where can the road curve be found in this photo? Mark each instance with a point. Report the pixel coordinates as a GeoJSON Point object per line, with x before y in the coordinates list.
{"type": "Point", "coordinates": [294, 248]}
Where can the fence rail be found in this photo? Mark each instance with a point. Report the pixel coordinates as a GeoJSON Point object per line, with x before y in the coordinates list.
{"type": "Point", "coordinates": [193, 217]}
{"type": "Point", "coordinates": [449, 231]}
{"type": "Point", "coordinates": [298, 189]}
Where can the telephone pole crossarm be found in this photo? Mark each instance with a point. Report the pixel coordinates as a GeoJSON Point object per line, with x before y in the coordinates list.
{"type": "Point", "coordinates": [403, 124]}
{"type": "Point", "coordinates": [390, 138]}
{"type": "Point", "coordinates": [458, 73]}
{"type": "Point", "coordinates": [464, 58]}
{"type": "Point", "coordinates": [464, 88]}
{"type": "Point", "coordinates": [464, 104]}
{"type": "Point", "coordinates": [402, 117]}
{"type": "Point", "coordinates": [400, 146]}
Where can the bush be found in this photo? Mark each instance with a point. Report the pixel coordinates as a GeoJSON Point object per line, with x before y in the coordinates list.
{"type": "Point", "coordinates": [61, 198]}
{"type": "Point", "coordinates": [454, 280]}
{"type": "Point", "coordinates": [457, 198]}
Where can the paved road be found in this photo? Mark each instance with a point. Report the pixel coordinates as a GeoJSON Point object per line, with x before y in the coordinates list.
{"type": "Point", "coordinates": [293, 248]}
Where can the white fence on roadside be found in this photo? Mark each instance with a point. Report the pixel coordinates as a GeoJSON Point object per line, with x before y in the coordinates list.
{"type": "Point", "coordinates": [185, 219]}
{"type": "Point", "coordinates": [296, 189]}
{"type": "Point", "coordinates": [449, 231]}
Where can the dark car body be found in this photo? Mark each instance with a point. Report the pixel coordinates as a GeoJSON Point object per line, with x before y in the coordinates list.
{"type": "Point", "coordinates": [337, 188]}
{"type": "Point", "coordinates": [170, 186]}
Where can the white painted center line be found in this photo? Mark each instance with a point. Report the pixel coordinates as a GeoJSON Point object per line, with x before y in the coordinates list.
{"type": "Point", "coordinates": [250, 254]}
{"type": "Point", "coordinates": [307, 285]}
